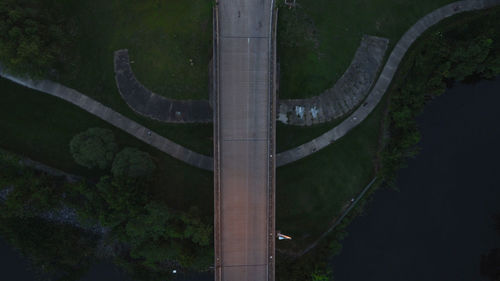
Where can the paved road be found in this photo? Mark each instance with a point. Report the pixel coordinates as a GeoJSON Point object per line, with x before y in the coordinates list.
{"type": "Point", "coordinates": [244, 187]}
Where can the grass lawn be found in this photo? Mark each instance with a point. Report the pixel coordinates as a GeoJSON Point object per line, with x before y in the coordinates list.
{"type": "Point", "coordinates": [317, 39]}
{"type": "Point", "coordinates": [161, 37]}
{"type": "Point", "coordinates": [311, 192]}
{"type": "Point", "coordinates": [40, 127]}
{"type": "Point", "coordinates": [290, 136]}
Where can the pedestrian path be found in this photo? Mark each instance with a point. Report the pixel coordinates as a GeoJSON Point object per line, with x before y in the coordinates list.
{"type": "Point", "coordinates": [383, 81]}
{"type": "Point", "coordinates": [118, 120]}
{"type": "Point", "coordinates": [347, 93]}
{"type": "Point", "coordinates": [146, 103]}
{"type": "Point", "coordinates": [206, 162]}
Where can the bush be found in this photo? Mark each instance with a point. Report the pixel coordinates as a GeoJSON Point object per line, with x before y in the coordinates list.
{"type": "Point", "coordinates": [95, 147]}
{"type": "Point", "coordinates": [133, 163]}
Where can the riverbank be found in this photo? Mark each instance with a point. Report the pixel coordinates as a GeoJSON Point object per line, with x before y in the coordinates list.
{"type": "Point", "coordinates": [440, 222]}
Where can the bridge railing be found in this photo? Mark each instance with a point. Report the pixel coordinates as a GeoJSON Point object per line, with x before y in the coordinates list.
{"type": "Point", "coordinates": [216, 133]}
{"type": "Point", "coordinates": [272, 144]}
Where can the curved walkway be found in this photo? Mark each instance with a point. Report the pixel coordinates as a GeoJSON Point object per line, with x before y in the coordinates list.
{"type": "Point", "coordinates": [384, 79]}
{"type": "Point", "coordinates": [116, 119]}
{"type": "Point", "coordinates": [205, 162]}
{"type": "Point", "coordinates": [152, 105]}
{"type": "Point", "coordinates": [343, 97]}
{"type": "Point", "coordinates": [346, 94]}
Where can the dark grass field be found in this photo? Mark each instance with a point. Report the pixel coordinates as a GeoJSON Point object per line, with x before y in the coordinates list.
{"type": "Point", "coordinates": [311, 192]}
{"type": "Point", "coordinates": [162, 38]}
{"type": "Point", "coordinates": [39, 126]}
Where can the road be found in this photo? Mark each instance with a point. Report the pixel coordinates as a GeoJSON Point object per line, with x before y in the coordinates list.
{"type": "Point", "coordinates": [244, 141]}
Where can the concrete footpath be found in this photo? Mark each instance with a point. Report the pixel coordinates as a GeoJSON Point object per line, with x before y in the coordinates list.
{"type": "Point", "coordinates": [383, 81]}
{"type": "Point", "coordinates": [118, 120]}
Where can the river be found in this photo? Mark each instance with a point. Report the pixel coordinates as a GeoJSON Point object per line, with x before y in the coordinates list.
{"type": "Point", "coordinates": [439, 223]}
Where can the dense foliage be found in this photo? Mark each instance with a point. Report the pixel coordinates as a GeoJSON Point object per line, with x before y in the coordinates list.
{"type": "Point", "coordinates": [464, 50]}
{"type": "Point", "coordinates": [93, 148]}
{"type": "Point", "coordinates": [22, 187]}
{"type": "Point", "coordinates": [148, 238]}
{"type": "Point", "coordinates": [34, 36]}
{"type": "Point", "coordinates": [131, 162]}
{"type": "Point", "coordinates": [158, 237]}
{"type": "Point", "coordinates": [55, 251]}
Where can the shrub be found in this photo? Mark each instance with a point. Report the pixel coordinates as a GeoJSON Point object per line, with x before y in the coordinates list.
{"type": "Point", "coordinates": [131, 162]}
{"type": "Point", "coordinates": [95, 147]}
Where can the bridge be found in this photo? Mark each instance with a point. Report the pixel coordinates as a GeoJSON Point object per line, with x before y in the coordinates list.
{"type": "Point", "coordinates": [244, 133]}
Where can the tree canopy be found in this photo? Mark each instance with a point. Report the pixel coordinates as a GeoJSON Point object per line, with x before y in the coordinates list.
{"type": "Point", "coordinates": [133, 163]}
{"type": "Point", "coordinates": [34, 36]}
{"type": "Point", "coordinates": [93, 148]}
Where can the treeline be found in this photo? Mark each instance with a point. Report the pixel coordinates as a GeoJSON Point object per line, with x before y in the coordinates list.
{"type": "Point", "coordinates": [146, 237]}
{"type": "Point", "coordinates": [465, 49]}
{"type": "Point", "coordinates": [35, 37]}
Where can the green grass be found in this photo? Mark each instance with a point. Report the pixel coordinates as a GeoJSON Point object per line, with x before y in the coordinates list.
{"type": "Point", "coordinates": [317, 40]}
{"type": "Point", "coordinates": [289, 136]}
{"type": "Point", "coordinates": [40, 127]}
{"type": "Point", "coordinates": [161, 37]}
{"type": "Point", "coordinates": [311, 192]}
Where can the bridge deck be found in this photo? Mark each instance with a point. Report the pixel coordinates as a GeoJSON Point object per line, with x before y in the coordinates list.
{"type": "Point", "coordinates": [244, 172]}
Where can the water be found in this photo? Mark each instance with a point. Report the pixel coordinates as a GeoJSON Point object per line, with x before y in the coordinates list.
{"type": "Point", "coordinates": [439, 224]}
{"type": "Point", "coordinates": [14, 267]}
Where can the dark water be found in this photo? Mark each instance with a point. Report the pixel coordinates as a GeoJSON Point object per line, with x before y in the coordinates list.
{"type": "Point", "coordinates": [14, 267]}
{"type": "Point", "coordinates": [439, 224]}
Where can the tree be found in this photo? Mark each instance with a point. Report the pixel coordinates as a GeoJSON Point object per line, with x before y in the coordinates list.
{"type": "Point", "coordinates": [117, 201]}
{"type": "Point", "coordinates": [160, 235]}
{"type": "Point", "coordinates": [34, 36]}
{"type": "Point", "coordinates": [469, 57]}
{"type": "Point", "coordinates": [320, 275]}
{"type": "Point", "coordinates": [28, 192]}
{"type": "Point", "coordinates": [133, 163]}
{"type": "Point", "coordinates": [95, 147]}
